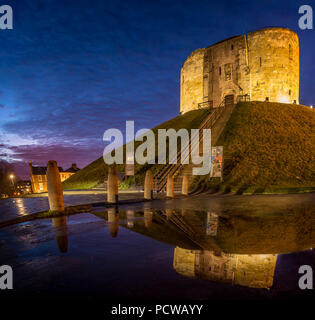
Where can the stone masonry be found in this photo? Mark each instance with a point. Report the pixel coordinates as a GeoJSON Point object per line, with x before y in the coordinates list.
{"type": "Point", "coordinates": [262, 64]}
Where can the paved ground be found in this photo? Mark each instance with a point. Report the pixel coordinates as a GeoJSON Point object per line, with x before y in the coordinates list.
{"type": "Point", "coordinates": [230, 204]}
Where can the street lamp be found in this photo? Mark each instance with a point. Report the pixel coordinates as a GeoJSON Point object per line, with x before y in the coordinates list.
{"type": "Point", "coordinates": [12, 181]}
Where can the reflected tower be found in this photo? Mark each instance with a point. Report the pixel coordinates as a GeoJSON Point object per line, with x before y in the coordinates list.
{"type": "Point", "coordinates": [256, 270]}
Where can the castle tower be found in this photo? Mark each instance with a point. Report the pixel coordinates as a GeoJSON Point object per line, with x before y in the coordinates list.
{"type": "Point", "coordinates": [261, 65]}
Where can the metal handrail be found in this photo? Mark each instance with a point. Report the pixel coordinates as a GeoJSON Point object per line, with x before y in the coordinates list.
{"type": "Point", "coordinates": [178, 155]}
{"type": "Point", "coordinates": [161, 177]}
{"type": "Point", "coordinates": [173, 168]}
{"type": "Point", "coordinates": [205, 104]}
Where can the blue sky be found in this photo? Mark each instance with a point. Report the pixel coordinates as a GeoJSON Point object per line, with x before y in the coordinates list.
{"type": "Point", "coordinates": [69, 70]}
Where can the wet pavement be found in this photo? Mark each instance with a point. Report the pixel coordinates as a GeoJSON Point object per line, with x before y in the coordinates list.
{"type": "Point", "coordinates": [16, 207]}
{"type": "Point", "coordinates": [234, 248]}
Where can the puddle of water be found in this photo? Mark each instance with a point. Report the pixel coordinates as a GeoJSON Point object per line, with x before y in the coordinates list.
{"type": "Point", "coordinates": [166, 253]}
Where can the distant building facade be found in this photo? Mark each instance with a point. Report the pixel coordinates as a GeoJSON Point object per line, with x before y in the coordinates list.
{"type": "Point", "coordinates": [24, 187]}
{"type": "Point", "coordinates": [262, 65]}
{"type": "Point", "coordinates": [39, 179]}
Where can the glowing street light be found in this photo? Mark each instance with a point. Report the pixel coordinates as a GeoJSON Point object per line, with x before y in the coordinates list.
{"type": "Point", "coordinates": [12, 181]}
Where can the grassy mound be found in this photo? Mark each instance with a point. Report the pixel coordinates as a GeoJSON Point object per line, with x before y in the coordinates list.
{"type": "Point", "coordinates": [268, 147]}
{"type": "Point", "coordinates": [96, 172]}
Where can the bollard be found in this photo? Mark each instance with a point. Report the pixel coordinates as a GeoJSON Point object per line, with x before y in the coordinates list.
{"type": "Point", "coordinates": [148, 185]}
{"type": "Point", "coordinates": [112, 185]}
{"type": "Point", "coordinates": [55, 193]}
{"type": "Point", "coordinates": [185, 185]}
{"type": "Point", "coordinates": [170, 187]}
{"type": "Point", "coordinates": [113, 221]}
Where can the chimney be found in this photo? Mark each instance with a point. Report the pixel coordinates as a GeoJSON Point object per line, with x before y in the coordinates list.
{"type": "Point", "coordinates": [74, 166]}
{"type": "Point", "coordinates": [31, 167]}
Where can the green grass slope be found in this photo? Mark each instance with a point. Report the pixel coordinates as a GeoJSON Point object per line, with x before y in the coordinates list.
{"type": "Point", "coordinates": [95, 173]}
{"type": "Point", "coordinates": [269, 146]}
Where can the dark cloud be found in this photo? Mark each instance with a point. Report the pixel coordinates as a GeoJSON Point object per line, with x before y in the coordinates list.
{"type": "Point", "coordinates": [71, 70]}
{"type": "Point", "coordinates": [41, 154]}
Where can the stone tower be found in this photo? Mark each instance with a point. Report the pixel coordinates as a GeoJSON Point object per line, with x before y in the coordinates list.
{"type": "Point", "coordinates": [261, 65]}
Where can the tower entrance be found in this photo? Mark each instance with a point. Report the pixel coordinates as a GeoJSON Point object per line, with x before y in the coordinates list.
{"type": "Point", "coordinates": [229, 100]}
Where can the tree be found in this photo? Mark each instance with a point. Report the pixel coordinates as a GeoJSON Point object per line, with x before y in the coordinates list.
{"type": "Point", "coordinates": [6, 169]}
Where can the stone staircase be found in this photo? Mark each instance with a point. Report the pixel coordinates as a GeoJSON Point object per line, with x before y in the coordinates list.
{"type": "Point", "coordinates": [216, 121]}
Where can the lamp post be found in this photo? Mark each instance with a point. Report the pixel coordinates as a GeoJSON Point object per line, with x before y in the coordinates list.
{"type": "Point", "coordinates": [12, 181]}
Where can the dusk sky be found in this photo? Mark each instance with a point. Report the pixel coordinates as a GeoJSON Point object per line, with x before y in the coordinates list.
{"type": "Point", "coordinates": [69, 70]}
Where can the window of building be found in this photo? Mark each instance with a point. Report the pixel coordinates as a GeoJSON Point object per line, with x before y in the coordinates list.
{"type": "Point", "coordinates": [260, 62]}
{"type": "Point", "coordinates": [205, 86]}
{"type": "Point", "coordinates": [228, 71]}
{"type": "Point", "coordinates": [232, 47]}
{"type": "Point", "coordinates": [289, 92]}
{"type": "Point", "coordinates": [219, 70]}
{"type": "Point", "coordinates": [41, 186]}
{"type": "Point", "coordinates": [39, 178]}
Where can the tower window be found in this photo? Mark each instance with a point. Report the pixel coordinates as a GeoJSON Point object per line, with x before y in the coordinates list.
{"type": "Point", "coordinates": [289, 92]}
{"type": "Point", "coordinates": [260, 62]}
{"type": "Point", "coordinates": [219, 70]}
{"type": "Point", "coordinates": [232, 47]}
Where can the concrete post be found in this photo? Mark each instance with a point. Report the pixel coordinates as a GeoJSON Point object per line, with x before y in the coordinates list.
{"type": "Point", "coordinates": [148, 185]}
{"type": "Point", "coordinates": [185, 185]}
{"type": "Point", "coordinates": [112, 185]}
{"type": "Point", "coordinates": [170, 187]}
{"type": "Point", "coordinates": [113, 221]}
{"type": "Point", "coordinates": [55, 193]}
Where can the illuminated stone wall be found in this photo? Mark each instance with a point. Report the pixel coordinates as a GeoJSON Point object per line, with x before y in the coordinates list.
{"type": "Point", "coordinates": [265, 63]}
{"type": "Point", "coordinates": [274, 65]}
{"type": "Point", "coordinates": [192, 81]}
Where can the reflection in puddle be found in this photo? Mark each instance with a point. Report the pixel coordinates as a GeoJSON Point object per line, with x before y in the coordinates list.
{"type": "Point", "coordinates": [60, 227]}
{"type": "Point", "coordinates": [232, 249]}
{"type": "Point", "coordinates": [255, 271]}
{"type": "Point", "coordinates": [20, 206]}
{"type": "Point", "coordinates": [130, 218]}
{"type": "Point", "coordinates": [113, 221]}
